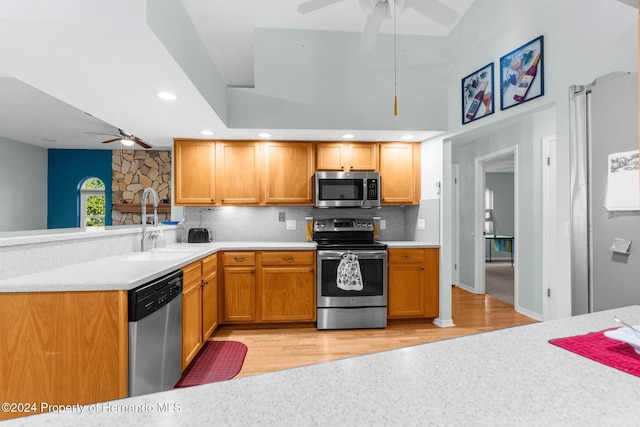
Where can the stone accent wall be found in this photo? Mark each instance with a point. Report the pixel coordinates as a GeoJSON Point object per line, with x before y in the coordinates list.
{"type": "Point", "coordinates": [135, 170]}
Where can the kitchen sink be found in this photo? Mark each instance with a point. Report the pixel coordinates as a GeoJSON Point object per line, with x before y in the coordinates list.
{"type": "Point", "coordinates": [156, 256]}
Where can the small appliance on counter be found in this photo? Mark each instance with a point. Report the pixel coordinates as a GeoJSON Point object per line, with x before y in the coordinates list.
{"type": "Point", "coordinates": [200, 235]}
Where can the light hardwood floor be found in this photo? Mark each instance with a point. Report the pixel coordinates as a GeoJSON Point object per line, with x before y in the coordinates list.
{"type": "Point", "coordinates": [273, 349]}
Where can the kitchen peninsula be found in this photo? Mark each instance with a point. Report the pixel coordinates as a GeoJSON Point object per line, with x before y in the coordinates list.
{"type": "Point", "coordinates": [501, 378]}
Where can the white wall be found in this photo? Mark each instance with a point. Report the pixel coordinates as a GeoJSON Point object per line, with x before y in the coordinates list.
{"type": "Point", "coordinates": [23, 186]}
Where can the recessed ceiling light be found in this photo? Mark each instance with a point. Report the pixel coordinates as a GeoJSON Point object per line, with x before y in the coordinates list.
{"type": "Point", "coordinates": [348, 136]}
{"type": "Point", "coordinates": [206, 132]}
{"type": "Point", "coordinates": [167, 96]}
{"type": "Point", "coordinates": [408, 136]}
{"type": "Point", "coordinates": [264, 135]}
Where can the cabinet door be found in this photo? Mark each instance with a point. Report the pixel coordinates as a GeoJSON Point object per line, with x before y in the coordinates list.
{"type": "Point", "coordinates": [287, 294]}
{"type": "Point", "coordinates": [191, 323]}
{"type": "Point", "coordinates": [238, 173]}
{"type": "Point", "coordinates": [209, 296]}
{"type": "Point", "coordinates": [239, 294]}
{"type": "Point", "coordinates": [432, 282]}
{"type": "Point", "coordinates": [331, 156]}
{"type": "Point", "coordinates": [194, 172]}
{"type": "Point", "coordinates": [400, 173]}
{"type": "Point", "coordinates": [288, 172]}
{"type": "Point", "coordinates": [363, 156]}
{"type": "Point", "coordinates": [406, 290]}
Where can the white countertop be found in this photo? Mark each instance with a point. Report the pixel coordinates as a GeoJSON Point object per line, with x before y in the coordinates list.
{"type": "Point", "coordinates": [502, 378]}
{"type": "Point", "coordinates": [125, 272]}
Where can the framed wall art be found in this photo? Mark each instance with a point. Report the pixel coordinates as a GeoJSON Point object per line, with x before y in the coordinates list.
{"type": "Point", "coordinates": [477, 94]}
{"type": "Point", "coordinates": [522, 74]}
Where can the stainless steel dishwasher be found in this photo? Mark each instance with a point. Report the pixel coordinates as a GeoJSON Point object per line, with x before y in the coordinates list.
{"type": "Point", "coordinates": [155, 335]}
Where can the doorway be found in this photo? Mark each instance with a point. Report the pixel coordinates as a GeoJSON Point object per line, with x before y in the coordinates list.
{"type": "Point", "coordinates": [496, 225]}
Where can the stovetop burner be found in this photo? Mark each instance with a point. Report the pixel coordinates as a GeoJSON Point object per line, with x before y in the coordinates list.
{"type": "Point", "coordinates": [345, 234]}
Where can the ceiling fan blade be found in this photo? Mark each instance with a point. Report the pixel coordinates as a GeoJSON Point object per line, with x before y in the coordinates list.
{"type": "Point", "coordinates": [141, 142]}
{"type": "Point", "coordinates": [370, 33]}
{"type": "Point", "coordinates": [312, 5]}
{"type": "Point", "coordinates": [436, 11]}
{"type": "Point", "coordinates": [111, 140]}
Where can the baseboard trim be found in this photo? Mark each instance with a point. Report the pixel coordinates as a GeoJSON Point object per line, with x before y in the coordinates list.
{"type": "Point", "coordinates": [443, 323]}
{"type": "Point", "coordinates": [528, 313]}
{"type": "Point", "coordinates": [466, 288]}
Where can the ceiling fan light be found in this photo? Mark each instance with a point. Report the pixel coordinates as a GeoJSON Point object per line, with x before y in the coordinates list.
{"type": "Point", "coordinates": [126, 141]}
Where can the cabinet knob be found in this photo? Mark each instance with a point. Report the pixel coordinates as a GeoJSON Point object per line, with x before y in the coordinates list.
{"type": "Point", "coordinates": [252, 271]}
{"type": "Point", "coordinates": [311, 270]}
{"type": "Point", "coordinates": [351, 167]}
{"type": "Point", "coordinates": [213, 200]}
{"type": "Point", "coordinates": [422, 267]}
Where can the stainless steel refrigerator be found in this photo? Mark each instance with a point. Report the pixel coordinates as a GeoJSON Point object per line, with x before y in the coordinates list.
{"type": "Point", "coordinates": [605, 221]}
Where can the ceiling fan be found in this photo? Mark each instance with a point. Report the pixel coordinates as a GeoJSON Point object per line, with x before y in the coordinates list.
{"type": "Point", "coordinates": [379, 10]}
{"type": "Point", "coordinates": [124, 137]}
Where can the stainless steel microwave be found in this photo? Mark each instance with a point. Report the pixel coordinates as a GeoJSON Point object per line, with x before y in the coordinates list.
{"type": "Point", "coordinates": [347, 189]}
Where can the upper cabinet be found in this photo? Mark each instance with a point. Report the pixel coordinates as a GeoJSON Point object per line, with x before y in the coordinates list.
{"type": "Point", "coordinates": [238, 173]}
{"type": "Point", "coordinates": [195, 172]}
{"type": "Point", "coordinates": [288, 173]}
{"type": "Point", "coordinates": [400, 173]}
{"type": "Point", "coordinates": [354, 156]}
{"type": "Point", "coordinates": [243, 173]}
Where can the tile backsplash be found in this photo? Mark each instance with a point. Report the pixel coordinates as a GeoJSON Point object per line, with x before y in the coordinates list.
{"type": "Point", "coordinates": [263, 223]}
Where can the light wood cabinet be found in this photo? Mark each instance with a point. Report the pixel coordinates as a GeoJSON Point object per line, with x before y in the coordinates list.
{"type": "Point", "coordinates": [199, 305]}
{"type": "Point", "coordinates": [239, 286]}
{"type": "Point", "coordinates": [413, 283]}
{"type": "Point", "coordinates": [287, 286]}
{"type": "Point", "coordinates": [63, 348]}
{"type": "Point", "coordinates": [209, 295]}
{"type": "Point", "coordinates": [238, 172]}
{"type": "Point", "coordinates": [354, 156]}
{"type": "Point", "coordinates": [288, 174]}
{"type": "Point", "coordinates": [400, 173]}
{"type": "Point", "coordinates": [194, 172]}
{"type": "Point", "coordinates": [191, 312]}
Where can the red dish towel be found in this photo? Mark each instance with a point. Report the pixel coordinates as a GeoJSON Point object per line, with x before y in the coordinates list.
{"type": "Point", "coordinates": [596, 346]}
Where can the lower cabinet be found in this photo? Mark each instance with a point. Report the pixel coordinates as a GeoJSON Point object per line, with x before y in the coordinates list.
{"type": "Point", "coordinates": [269, 286]}
{"type": "Point", "coordinates": [199, 305]}
{"type": "Point", "coordinates": [413, 283]}
{"type": "Point", "coordinates": [287, 286]}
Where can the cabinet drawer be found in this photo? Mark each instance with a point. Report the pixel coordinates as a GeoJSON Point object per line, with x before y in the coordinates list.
{"type": "Point", "coordinates": [191, 274]}
{"type": "Point", "coordinates": [209, 265]}
{"type": "Point", "coordinates": [406, 255]}
{"type": "Point", "coordinates": [239, 258]}
{"type": "Point", "coordinates": [288, 258]}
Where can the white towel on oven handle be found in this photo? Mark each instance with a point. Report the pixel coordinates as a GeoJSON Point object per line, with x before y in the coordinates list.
{"type": "Point", "coordinates": [349, 277]}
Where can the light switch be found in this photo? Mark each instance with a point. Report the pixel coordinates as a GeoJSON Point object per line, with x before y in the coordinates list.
{"type": "Point", "coordinates": [621, 246]}
{"type": "Point", "coordinates": [421, 224]}
{"type": "Point", "coordinates": [291, 224]}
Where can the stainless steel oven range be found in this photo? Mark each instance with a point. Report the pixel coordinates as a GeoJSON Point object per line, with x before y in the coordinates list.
{"type": "Point", "coordinates": [352, 275]}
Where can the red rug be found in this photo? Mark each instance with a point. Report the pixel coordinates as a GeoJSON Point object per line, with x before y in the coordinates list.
{"type": "Point", "coordinates": [216, 361]}
{"type": "Point", "coordinates": [596, 346]}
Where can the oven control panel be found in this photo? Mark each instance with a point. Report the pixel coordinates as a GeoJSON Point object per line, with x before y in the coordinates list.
{"type": "Point", "coordinates": [342, 224]}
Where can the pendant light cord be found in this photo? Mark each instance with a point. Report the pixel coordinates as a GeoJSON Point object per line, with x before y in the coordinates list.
{"type": "Point", "coordinates": [395, 62]}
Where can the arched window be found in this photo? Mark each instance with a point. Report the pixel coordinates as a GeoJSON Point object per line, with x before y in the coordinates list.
{"type": "Point", "coordinates": [92, 203]}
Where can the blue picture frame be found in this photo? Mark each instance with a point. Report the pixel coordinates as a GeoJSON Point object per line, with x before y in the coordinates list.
{"type": "Point", "coordinates": [477, 94]}
{"type": "Point", "coordinates": [516, 87]}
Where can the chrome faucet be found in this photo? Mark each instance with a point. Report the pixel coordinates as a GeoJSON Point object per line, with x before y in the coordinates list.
{"type": "Point", "coordinates": [154, 215]}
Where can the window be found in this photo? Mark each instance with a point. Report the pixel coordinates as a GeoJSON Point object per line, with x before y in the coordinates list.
{"type": "Point", "coordinates": [92, 203]}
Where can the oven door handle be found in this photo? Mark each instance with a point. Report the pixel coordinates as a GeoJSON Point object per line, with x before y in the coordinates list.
{"type": "Point", "coordinates": [361, 254]}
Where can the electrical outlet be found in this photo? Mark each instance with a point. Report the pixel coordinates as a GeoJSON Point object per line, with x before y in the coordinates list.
{"type": "Point", "coordinates": [421, 224]}
{"type": "Point", "coordinates": [383, 224]}
{"type": "Point", "coordinates": [281, 217]}
{"type": "Point", "coordinates": [291, 224]}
